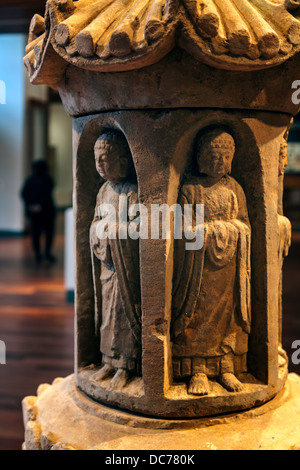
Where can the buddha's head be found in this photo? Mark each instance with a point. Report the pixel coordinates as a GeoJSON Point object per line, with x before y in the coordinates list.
{"type": "Point", "coordinates": [215, 151]}
{"type": "Point", "coordinates": [112, 156]}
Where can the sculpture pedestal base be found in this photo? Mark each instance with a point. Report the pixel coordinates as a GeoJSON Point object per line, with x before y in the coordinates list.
{"type": "Point", "coordinates": [62, 418]}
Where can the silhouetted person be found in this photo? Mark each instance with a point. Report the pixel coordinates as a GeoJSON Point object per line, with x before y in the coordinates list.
{"type": "Point", "coordinates": [40, 209]}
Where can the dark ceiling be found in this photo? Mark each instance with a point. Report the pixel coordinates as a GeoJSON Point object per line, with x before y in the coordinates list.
{"type": "Point", "coordinates": [15, 15]}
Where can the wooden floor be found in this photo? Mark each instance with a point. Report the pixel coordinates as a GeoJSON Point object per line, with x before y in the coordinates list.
{"type": "Point", "coordinates": [37, 325]}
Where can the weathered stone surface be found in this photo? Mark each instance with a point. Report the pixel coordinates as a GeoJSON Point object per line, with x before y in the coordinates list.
{"type": "Point", "coordinates": [61, 446]}
{"type": "Point", "coordinates": [179, 81]}
{"type": "Point", "coordinates": [80, 423]}
{"type": "Point", "coordinates": [209, 332]}
{"type": "Point", "coordinates": [48, 440]}
{"type": "Point", "coordinates": [115, 264]}
{"type": "Point", "coordinates": [125, 35]}
{"type": "Point", "coordinates": [42, 388]}
{"type": "Point", "coordinates": [29, 409]}
{"type": "Point", "coordinates": [257, 137]}
{"type": "Point", "coordinates": [33, 436]}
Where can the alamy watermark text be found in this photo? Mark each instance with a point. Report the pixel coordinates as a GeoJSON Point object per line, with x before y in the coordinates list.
{"type": "Point", "coordinates": [296, 354]}
{"type": "Point", "coordinates": [137, 222]}
{"type": "Point", "coordinates": [296, 94]}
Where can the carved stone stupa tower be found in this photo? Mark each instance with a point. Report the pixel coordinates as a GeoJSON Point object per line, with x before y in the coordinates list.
{"type": "Point", "coordinates": [174, 102]}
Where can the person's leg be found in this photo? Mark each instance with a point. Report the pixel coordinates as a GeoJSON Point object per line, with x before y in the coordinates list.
{"type": "Point", "coordinates": [36, 231]}
{"type": "Point", "coordinates": [49, 225]}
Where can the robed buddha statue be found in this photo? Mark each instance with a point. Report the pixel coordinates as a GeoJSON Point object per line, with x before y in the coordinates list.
{"type": "Point", "coordinates": [116, 263]}
{"type": "Point", "coordinates": [211, 314]}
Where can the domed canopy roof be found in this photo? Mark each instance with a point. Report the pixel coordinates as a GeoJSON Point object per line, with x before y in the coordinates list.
{"type": "Point", "coordinates": [120, 35]}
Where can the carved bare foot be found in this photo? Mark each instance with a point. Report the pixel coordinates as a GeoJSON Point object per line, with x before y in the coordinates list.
{"type": "Point", "coordinates": [120, 379]}
{"type": "Point", "coordinates": [231, 383]}
{"type": "Point", "coordinates": [104, 373]}
{"type": "Point", "coordinates": [199, 385]}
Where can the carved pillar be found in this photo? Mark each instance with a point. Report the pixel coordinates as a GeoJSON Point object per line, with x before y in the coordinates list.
{"type": "Point", "coordinates": [160, 75]}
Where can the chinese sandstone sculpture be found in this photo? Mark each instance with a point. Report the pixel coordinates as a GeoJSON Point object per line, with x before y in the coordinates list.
{"type": "Point", "coordinates": [180, 102]}
{"type": "Point", "coordinates": [119, 318]}
{"type": "Point", "coordinates": [212, 313]}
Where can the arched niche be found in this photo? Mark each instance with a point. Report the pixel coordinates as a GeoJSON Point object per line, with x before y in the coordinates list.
{"type": "Point", "coordinates": [161, 144]}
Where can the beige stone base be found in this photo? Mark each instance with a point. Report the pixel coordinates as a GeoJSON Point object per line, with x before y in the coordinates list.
{"type": "Point", "coordinates": [61, 418]}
